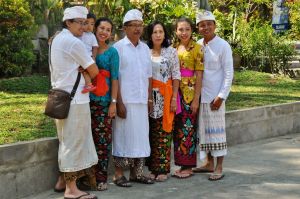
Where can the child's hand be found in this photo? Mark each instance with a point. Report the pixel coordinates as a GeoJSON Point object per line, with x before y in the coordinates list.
{"type": "Point", "coordinates": [80, 69]}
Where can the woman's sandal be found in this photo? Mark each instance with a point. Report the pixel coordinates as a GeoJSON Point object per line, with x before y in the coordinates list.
{"type": "Point", "coordinates": [102, 186]}
{"type": "Point", "coordinates": [142, 180]}
{"type": "Point", "coordinates": [122, 182]}
{"type": "Point", "coordinates": [161, 177]}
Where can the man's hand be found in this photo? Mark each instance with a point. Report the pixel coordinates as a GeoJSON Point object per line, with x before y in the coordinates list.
{"type": "Point", "coordinates": [216, 103]}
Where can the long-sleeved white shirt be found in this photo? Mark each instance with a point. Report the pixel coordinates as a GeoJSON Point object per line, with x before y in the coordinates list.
{"type": "Point", "coordinates": [135, 69]}
{"type": "Point", "coordinates": [218, 69]}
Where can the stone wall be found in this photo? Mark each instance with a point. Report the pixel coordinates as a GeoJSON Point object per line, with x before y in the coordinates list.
{"type": "Point", "coordinates": [31, 167]}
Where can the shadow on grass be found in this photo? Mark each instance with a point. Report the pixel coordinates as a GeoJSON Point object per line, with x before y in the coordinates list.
{"type": "Point", "coordinates": [32, 84]}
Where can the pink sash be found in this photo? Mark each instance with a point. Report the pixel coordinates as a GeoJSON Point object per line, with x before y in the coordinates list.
{"type": "Point", "coordinates": [184, 73]}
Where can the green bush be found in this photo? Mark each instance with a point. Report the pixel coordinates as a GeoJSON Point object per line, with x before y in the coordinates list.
{"type": "Point", "coordinates": [16, 49]}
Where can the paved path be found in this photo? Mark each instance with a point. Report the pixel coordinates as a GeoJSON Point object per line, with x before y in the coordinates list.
{"type": "Point", "coordinates": [265, 169]}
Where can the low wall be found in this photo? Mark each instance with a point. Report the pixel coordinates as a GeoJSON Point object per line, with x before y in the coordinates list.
{"type": "Point", "coordinates": [31, 167]}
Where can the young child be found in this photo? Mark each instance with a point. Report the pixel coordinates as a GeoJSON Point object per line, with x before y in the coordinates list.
{"type": "Point", "coordinates": [91, 44]}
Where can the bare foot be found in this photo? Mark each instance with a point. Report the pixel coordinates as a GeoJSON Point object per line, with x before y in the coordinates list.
{"type": "Point", "coordinates": [60, 185]}
{"type": "Point", "coordinates": [204, 169]}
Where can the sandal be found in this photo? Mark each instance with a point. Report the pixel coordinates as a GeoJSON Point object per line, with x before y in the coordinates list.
{"type": "Point", "coordinates": [142, 180]}
{"type": "Point", "coordinates": [122, 182]}
{"type": "Point", "coordinates": [152, 176]}
{"type": "Point", "coordinates": [216, 176]}
{"type": "Point", "coordinates": [183, 173]}
{"type": "Point", "coordinates": [102, 186]}
{"type": "Point", "coordinates": [161, 177]}
{"type": "Point", "coordinates": [84, 195]}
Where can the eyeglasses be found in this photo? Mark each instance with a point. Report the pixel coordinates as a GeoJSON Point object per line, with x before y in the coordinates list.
{"type": "Point", "coordinates": [136, 25]}
{"type": "Point", "coordinates": [81, 23]}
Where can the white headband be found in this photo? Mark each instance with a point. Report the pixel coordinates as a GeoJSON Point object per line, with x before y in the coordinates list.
{"type": "Point", "coordinates": [132, 15]}
{"type": "Point", "coordinates": [75, 12]}
{"type": "Point", "coordinates": [204, 16]}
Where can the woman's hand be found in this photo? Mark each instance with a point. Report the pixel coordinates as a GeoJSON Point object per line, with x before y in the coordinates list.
{"type": "Point", "coordinates": [112, 110]}
{"type": "Point", "coordinates": [150, 106]}
{"type": "Point", "coordinates": [173, 105]}
{"type": "Point", "coordinates": [195, 105]}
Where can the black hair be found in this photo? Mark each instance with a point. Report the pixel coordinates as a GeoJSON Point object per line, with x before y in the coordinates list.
{"type": "Point", "coordinates": [106, 19]}
{"type": "Point", "coordinates": [91, 15]}
{"type": "Point", "coordinates": [150, 29]}
{"type": "Point", "coordinates": [64, 23]}
{"type": "Point", "coordinates": [126, 23]}
{"type": "Point", "coordinates": [184, 19]}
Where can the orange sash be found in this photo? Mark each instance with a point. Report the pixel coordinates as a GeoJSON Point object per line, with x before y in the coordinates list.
{"type": "Point", "coordinates": [100, 83]}
{"type": "Point", "coordinates": [165, 90]}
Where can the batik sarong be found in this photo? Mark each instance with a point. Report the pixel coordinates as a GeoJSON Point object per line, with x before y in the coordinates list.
{"type": "Point", "coordinates": [160, 142]}
{"type": "Point", "coordinates": [185, 137]}
{"type": "Point", "coordinates": [102, 135]}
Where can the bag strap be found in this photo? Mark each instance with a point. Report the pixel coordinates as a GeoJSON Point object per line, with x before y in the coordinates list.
{"type": "Point", "coordinates": [75, 86]}
{"type": "Point", "coordinates": [50, 64]}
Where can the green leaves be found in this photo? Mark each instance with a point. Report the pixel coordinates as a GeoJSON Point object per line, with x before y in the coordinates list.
{"type": "Point", "coordinates": [16, 50]}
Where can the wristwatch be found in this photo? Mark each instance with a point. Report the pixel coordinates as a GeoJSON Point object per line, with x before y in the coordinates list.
{"type": "Point", "coordinates": [113, 100]}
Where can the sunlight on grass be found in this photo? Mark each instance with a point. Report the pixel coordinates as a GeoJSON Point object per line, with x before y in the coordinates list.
{"type": "Point", "coordinates": [22, 101]}
{"type": "Point", "coordinates": [21, 109]}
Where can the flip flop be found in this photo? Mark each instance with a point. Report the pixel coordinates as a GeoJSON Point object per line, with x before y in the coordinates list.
{"type": "Point", "coordinates": [161, 177]}
{"type": "Point", "coordinates": [202, 170]}
{"type": "Point", "coordinates": [219, 177]}
{"type": "Point", "coordinates": [182, 175]}
{"type": "Point", "coordinates": [86, 194]}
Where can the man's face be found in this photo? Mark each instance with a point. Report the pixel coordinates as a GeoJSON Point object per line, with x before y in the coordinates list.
{"type": "Point", "coordinates": [207, 28]}
{"type": "Point", "coordinates": [134, 30]}
{"type": "Point", "coordinates": [76, 26]}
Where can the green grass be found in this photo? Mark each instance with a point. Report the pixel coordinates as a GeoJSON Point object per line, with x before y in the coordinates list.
{"type": "Point", "coordinates": [22, 101]}
{"type": "Point", "coordinates": [21, 109]}
{"type": "Point", "coordinates": [252, 89]}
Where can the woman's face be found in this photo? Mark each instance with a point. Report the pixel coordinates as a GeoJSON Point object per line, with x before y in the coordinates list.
{"type": "Point", "coordinates": [158, 35]}
{"type": "Point", "coordinates": [103, 31]}
{"type": "Point", "coordinates": [184, 31]}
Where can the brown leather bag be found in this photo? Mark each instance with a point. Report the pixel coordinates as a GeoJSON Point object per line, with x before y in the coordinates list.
{"type": "Point", "coordinates": [59, 101]}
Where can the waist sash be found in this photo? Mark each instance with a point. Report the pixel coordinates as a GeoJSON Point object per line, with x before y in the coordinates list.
{"type": "Point", "coordinates": [165, 90]}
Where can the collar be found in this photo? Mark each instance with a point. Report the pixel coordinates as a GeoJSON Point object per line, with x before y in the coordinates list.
{"type": "Point", "coordinates": [211, 41]}
{"type": "Point", "coordinates": [127, 42]}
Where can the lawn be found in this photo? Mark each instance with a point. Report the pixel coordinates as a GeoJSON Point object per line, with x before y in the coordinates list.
{"type": "Point", "coordinates": [22, 101]}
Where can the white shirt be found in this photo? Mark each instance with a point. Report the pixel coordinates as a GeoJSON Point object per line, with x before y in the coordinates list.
{"type": "Point", "coordinates": [218, 69]}
{"type": "Point", "coordinates": [135, 69]}
{"type": "Point", "coordinates": [67, 54]}
{"type": "Point", "coordinates": [90, 41]}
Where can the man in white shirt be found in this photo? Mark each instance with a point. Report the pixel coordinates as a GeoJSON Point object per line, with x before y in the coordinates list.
{"type": "Point", "coordinates": [216, 83]}
{"type": "Point", "coordinates": [131, 134]}
{"type": "Point", "coordinates": [76, 148]}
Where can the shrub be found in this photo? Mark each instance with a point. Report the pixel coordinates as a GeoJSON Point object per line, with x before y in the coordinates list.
{"type": "Point", "coordinates": [16, 49]}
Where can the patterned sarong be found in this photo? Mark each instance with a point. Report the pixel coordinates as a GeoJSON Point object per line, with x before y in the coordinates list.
{"type": "Point", "coordinates": [212, 131]}
{"type": "Point", "coordinates": [102, 135]}
{"type": "Point", "coordinates": [185, 137]}
{"type": "Point", "coordinates": [160, 142]}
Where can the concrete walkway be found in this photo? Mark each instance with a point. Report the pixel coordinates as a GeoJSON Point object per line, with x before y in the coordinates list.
{"type": "Point", "coordinates": [264, 169]}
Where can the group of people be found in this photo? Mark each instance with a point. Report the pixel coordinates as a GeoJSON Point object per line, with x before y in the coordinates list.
{"type": "Point", "coordinates": [136, 97]}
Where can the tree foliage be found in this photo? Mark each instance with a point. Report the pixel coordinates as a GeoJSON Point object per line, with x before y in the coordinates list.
{"type": "Point", "coordinates": [16, 49]}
